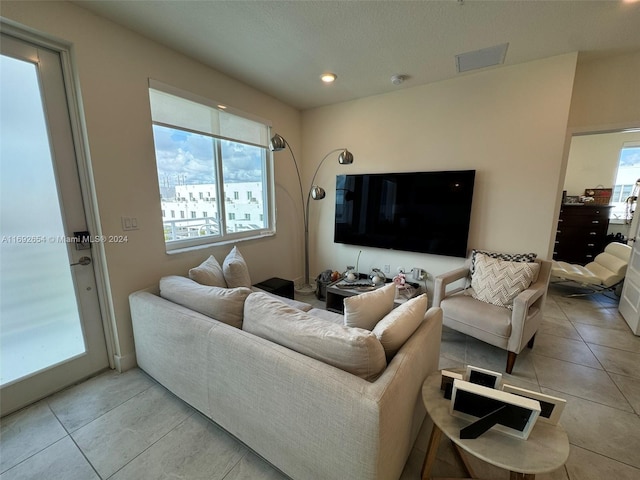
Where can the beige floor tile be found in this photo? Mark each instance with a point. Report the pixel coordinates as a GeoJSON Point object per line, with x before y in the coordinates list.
{"type": "Point", "coordinates": [251, 466]}
{"type": "Point", "coordinates": [586, 465]}
{"type": "Point", "coordinates": [560, 327]}
{"type": "Point", "coordinates": [79, 405]}
{"type": "Point", "coordinates": [565, 349]}
{"type": "Point", "coordinates": [27, 432]}
{"type": "Point", "coordinates": [617, 361]}
{"type": "Point", "coordinates": [601, 429]}
{"type": "Point", "coordinates": [580, 381]}
{"type": "Point", "coordinates": [609, 337]}
{"type": "Point", "coordinates": [60, 461]}
{"type": "Point", "coordinates": [630, 388]}
{"type": "Point", "coordinates": [197, 449]}
{"type": "Point", "coordinates": [116, 438]}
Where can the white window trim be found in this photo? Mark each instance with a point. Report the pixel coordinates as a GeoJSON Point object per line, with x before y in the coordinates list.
{"type": "Point", "coordinates": [269, 200]}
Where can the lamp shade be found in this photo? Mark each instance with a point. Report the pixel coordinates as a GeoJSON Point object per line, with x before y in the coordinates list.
{"type": "Point", "coordinates": [345, 157]}
{"type": "Point", "coordinates": [279, 143]}
{"type": "Point", "coordinates": [317, 193]}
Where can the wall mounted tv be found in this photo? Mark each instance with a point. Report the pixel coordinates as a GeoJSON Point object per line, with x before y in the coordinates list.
{"type": "Point", "coordinates": [427, 212]}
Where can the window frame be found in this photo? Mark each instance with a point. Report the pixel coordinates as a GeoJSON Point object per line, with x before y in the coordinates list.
{"type": "Point", "coordinates": [223, 189]}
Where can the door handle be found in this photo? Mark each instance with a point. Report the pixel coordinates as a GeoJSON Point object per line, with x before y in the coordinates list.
{"type": "Point", "coordinates": [83, 261]}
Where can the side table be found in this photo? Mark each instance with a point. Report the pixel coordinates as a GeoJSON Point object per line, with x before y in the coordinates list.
{"type": "Point", "coordinates": [546, 449]}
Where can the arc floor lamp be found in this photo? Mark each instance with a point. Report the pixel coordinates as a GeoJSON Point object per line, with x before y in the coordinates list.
{"type": "Point", "coordinates": [315, 192]}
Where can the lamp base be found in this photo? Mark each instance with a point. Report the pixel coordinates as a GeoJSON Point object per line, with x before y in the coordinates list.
{"type": "Point", "coordinates": [305, 289]}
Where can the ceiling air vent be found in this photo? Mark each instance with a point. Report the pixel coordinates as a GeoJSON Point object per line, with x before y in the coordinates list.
{"type": "Point", "coordinates": [485, 57]}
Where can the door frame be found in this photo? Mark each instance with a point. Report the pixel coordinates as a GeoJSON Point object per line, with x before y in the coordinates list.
{"type": "Point", "coordinates": [85, 171]}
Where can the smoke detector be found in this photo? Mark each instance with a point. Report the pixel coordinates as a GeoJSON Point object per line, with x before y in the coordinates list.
{"type": "Point", "coordinates": [398, 79]}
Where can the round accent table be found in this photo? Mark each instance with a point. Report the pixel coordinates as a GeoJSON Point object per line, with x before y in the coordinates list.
{"type": "Point", "coordinates": [546, 449]}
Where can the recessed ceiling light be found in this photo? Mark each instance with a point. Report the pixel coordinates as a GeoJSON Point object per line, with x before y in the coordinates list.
{"type": "Point", "coordinates": [328, 77]}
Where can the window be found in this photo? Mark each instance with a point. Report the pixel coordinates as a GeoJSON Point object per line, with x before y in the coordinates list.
{"type": "Point", "coordinates": [201, 147]}
{"type": "Point", "coordinates": [626, 177]}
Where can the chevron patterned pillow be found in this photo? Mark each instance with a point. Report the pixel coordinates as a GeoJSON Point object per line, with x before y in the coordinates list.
{"type": "Point", "coordinates": [512, 257]}
{"type": "Point", "coordinates": [498, 281]}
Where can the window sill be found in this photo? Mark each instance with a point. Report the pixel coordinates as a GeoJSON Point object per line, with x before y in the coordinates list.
{"type": "Point", "coordinates": [231, 241]}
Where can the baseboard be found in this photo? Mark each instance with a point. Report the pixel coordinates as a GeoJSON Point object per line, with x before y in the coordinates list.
{"type": "Point", "coordinates": [125, 362]}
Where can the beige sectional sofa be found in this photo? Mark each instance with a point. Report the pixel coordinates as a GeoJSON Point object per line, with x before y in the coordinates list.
{"type": "Point", "coordinates": [315, 398]}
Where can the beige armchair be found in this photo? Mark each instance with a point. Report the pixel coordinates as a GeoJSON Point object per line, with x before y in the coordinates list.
{"type": "Point", "coordinates": [499, 326]}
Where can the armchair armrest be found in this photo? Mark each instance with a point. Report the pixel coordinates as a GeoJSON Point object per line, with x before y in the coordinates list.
{"type": "Point", "coordinates": [523, 324]}
{"type": "Point", "coordinates": [441, 281]}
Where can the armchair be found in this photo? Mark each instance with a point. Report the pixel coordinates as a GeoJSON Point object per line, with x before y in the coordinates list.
{"type": "Point", "coordinates": [509, 329]}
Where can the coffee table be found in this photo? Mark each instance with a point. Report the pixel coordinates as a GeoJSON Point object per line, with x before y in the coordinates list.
{"type": "Point", "coordinates": [337, 291]}
{"type": "Point", "coordinates": [546, 449]}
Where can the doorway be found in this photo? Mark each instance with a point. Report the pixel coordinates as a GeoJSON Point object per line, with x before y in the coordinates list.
{"type": "Point", "coordinates": [51, 328]}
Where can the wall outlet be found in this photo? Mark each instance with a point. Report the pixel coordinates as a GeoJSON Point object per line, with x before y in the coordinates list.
{"type": "Point", "coordinates": [387, 269]}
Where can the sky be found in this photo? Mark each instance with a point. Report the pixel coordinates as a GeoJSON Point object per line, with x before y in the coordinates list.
{"type": "Point", "coordinates": [190, 155]}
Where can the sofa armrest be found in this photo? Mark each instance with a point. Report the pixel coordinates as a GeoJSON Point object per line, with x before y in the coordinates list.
{"type": "Point", "coordinates": [442, 281]}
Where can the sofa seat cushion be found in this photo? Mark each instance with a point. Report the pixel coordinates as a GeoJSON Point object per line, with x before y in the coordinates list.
{"type": "Point", "coordinates": [223, 304]}
{"type": "Point", "coordinates": [305, 307]}
{"type": "Point", "coordinates": [488, 318]}
{"type": "Point", "coordinates": [327, 315]}
{"type": "Point", "coordinates": [353, 350]}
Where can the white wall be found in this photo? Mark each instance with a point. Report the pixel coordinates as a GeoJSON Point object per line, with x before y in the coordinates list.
{"type": "Point", "coordinates": [508, 123]}
{"type": "Point", "coordinates": [593, 160]}
{"type": "Point", "coordinates": [114, 66]}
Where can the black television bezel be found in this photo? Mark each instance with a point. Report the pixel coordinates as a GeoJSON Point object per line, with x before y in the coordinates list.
{"type": "Point", "coordinates": [417, 243]}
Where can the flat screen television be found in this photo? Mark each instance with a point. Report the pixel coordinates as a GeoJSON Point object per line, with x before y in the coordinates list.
{"type": "Point", "coordinates": [427, 212]}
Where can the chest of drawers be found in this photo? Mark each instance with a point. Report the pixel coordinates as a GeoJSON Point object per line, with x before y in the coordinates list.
{"type": "Point", "coordinates": [581, 233]}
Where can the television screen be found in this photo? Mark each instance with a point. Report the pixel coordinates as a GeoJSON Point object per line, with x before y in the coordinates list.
{"type": "Point", "coordinates": [427, 212]}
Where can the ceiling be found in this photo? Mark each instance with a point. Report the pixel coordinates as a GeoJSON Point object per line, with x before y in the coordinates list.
{"type": "Point", "coordinates": [282, 47]}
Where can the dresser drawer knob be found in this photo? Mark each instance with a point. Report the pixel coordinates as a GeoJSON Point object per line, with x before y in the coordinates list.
{"type": "Point", "coordinates": [595, 221]}
{"type": "Point", "coordinates": [592, 233]}
{"type": "Point", "coordinates": [591, 244]}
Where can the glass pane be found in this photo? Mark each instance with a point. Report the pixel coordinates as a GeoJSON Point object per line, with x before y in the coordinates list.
{"type": "Point", "coordinates": [39, 319]}
{"type": "Point", "coordinates": [244, 170]}
{"type": "Point", "coordinates": [187, 179]}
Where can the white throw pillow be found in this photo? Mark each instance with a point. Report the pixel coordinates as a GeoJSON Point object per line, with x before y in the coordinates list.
{"type": "Point", "coordinates": [367, 309]}
{"type": "Point", "coordinates": [499, 281]}
{"type": "Point", "coordinates": [209, 273]}
{"type": "Point", "coordinates": [353, 350]}
{"type": "Point", "coordinates": [223, 304]}
{"type": "Point", "coordinates": [236, 272]}
{"type": "Point", "coordinates": [396, 328]}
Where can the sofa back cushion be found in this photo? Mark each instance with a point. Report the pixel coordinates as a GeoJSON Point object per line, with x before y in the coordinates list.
{"type": "Point", "coordinates": [235, 269]}
{"type": "Point", "coordinates": [209, 273]}
{"type": "Point", "coordinates": [396, 328]}
{"type": "Point", "coordinates": [223, 304]}
{"type": "Point", "coordinates": [353, 350]}
{"type": "Point", "coordinates": [367, 309]}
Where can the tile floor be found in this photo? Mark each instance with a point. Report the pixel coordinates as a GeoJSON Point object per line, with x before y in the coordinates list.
{"type": "Point", "coordinates": [126, 426]}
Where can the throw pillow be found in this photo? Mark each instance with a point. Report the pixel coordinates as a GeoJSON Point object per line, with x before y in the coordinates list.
{"type": "Point", "coordinates": [353, 350]}
{"type": "Point", "coordinates": [367, 309]}
{"type": "Point", "coordinates": [223, 304]}
{"type": "Point", "coordinates": [499, 281]}
{"type": "Point", "coordinates": [236, 272]}
{"type": "Point", "coordinates": [511, 257]}
{"type": "Point", "coordinates": [209, 273]}
{"type": "Point", "coordinates": [396, 328]}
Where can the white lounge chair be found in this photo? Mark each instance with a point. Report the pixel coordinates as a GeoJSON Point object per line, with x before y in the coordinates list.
{"type": "Point", "coordinates": [602, 275]}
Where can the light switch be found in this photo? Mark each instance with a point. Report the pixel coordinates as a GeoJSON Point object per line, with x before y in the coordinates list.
{"type": "Point", "coordinates": [129, 223]}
